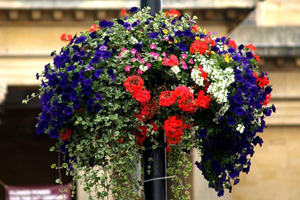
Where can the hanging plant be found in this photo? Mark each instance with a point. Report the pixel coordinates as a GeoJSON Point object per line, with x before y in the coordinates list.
{"type": "Point", "coordinates": [127, 79]}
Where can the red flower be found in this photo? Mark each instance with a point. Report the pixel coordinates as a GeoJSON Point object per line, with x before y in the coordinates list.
{"type": "Point", "coordinates": [142, 96]}
{"type": "Point", "coordinates": [173, 128]}
{"type": "Point", "coordinates": [173, 12]}
{"type": "Point", "coordinates": [147, 111]}
{"type": "Point", "coordinates": [195, 28]}
{"type": "Point", "coordinates": [167, 98]}
{"type": "Point", "coordinates": [203, 100]}
{"type": "Point", "coordinates": [133, 84]}
{"type": "Point", "coordinates": [203, 73]}
{"type": "Point", "coordinates": [123, 11]}
{"type": "Point", "coordinates": [172, 61]}
{"type": "Point", "coordinates": [186, 101]}
{"type": "Point", "coordinates": [199, 46]}
{"type": "Point", "coordinates": [140, 134]}
{"type": "Point", "coordinates": [251, 47]}
{"type": "Point", "coordinates": [94, 27]}
{"type": "Point", "coordinates": [66, 135]}
{"type": "Point", "coordinates": [257, 58]}
{"type": "Point", "coordinates": [263, 81]}
{"type": "Point", "coordinates": [212, 42]}
{"type": "Point", "coordinates": [232, 43]}
{"type": "Point", "coordinates": [66, 37]}
{"type": "Point", "coordinates": [267, 100]}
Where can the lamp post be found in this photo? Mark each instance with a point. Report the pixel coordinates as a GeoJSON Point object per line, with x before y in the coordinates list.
{"type": "Point", "coordinates": [155, 184]}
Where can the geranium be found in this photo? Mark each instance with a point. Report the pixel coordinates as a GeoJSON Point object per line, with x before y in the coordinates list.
{"type": "Point", "coordinates": [104, 96]}
{"type": "Point", "coordinates": [199, 46]}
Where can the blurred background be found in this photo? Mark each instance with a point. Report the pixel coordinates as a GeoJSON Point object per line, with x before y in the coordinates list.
{"type": "Point", "coordinates": [30, 30]}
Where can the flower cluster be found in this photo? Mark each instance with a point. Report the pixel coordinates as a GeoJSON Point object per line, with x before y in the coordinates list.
{"type": "Point", "coordinates": [129, 79]}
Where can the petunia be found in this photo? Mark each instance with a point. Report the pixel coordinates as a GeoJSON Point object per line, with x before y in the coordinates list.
{"type": "Point", "coordinates": [133, 9]}
{"type": "Point", "coordinates": [111, 73]}
{"type": "Point", "coordinates": [239, 111]}
{"type": "Point", "coordinates": [153, 35]}
{"type": "Point", "coordinates": [202, 133]}
{"type": "Point", "coordinates": [68, 110]}
{"type": "Point", "coordinates": [127, 25]}
{"type": "Point", "coordinates": [127, 68]}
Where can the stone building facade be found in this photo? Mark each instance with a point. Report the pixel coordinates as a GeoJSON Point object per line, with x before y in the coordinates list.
{"type": "Point", "coordinates": [30, 30]}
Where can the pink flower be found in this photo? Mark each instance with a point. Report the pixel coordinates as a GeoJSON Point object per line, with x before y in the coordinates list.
{"type": "Point", "coordinates": [164, 54]}
{"type": "Point", "coordinates": [133, 51]}
{"type": "Point", "coordinates": [142, 60]}
{"type": "Point", "coordinates": [140, 71]}
{"type": "Point", "coordinates": [133, 59]}
{"type": "Point", "coordinates": [184, 64]}
{"type": "Point", "coordinates": [155, 55]}
{"type": "Point", "coordinates": [191, 61]}
{"type": "Point", "coordinates": [148, 65]}
{"type": "Point", "coordinates": [138, 54]}
{"type": "Point", "coordinates": [120, 55]}
{"type": "Point", "coordinates": [124, 49]}
{"type": "Point", "coordinates": [184, 56]}
{"type": "Point", "coordinates": [152, 46]}
{"type": "Point", "coordinates": [127, 68]}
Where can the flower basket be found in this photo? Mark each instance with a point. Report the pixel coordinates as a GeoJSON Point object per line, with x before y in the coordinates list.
{"type": "Point", "coordinates": [124, 81]}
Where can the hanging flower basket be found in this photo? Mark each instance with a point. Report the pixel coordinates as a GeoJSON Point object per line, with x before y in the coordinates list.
{"type": "Point", "coordinates": [128, 79]}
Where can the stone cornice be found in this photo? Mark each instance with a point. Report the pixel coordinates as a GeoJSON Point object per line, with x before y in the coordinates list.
{"type": "Point", "coordinates": [119, 4]}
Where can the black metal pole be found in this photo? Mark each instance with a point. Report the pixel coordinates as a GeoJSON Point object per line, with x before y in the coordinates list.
{"type": "Point", "coordinates": [155, 185]}
{"type": "Point", "coordinates": [155, 5]}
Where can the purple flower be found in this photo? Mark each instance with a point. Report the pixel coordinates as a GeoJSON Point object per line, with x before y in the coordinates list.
{"type": "Point", "coordinates": [102, 48]}
{"type": "Point", "coordinates": [241, 47]}
{"type": "Point", "coordinates": [202, 133]}
{"type": "Point", "coordinates": [133, 9]}
{"type": "Point", "coordinates": [106, 54]}
{"type": "Point", "coordinates": [236, 57]}
{"type": "Point", "coordinates": [81, 39]}
{"type": "Point", "coordinates": [268, 90]}
{"type": "Point", "coordinates": [181, 46]}
{"type": "Point", "coordinates": [90, 102]}
{"type": "Point", "coordinates": [188, 33]}
{"type": "Point", "coordinates": [68, 110]}
{"type": "Point", "coordinates": [273, 108]}
{"type": "Point", "coordinates": [73, 95]}
{"type": "Point", "coordinates": [89, 108]}
{"type": "Point", "coordinates": [70, 68]}
{"type": "Point", "coordinates": [138, 46]}
{"type": "Point", "coordinates": [231, 120]}
{"type": "Point", "coordinates": [106, 24]}
{"type": "Point", "coordinates": [134, 24]}
{"type": "Point", "coordinates": [97, 107]}
{"type": "Point", "coordinates": [76, 104]}
{"type": "Point", "coordinates": [153, 35]}
{"type": "Point", "coordinates": [268, 111]}
{"type": "Point", "coordinates": [127, 25]}
{"type": "Point", "coordinates": [111, 73]}
{"type": "Point", "coordinates": [87, 82]}
{"type": "Point", "coordinates": [231, 50]}
{"type": "Point", "coordinates": [121, 22]}
{"type": "Point", "coordinates": [98, 96]}
{"type": "Point", "coordinates": [239, 111]}
{"type": "Point", "coordinates": [249, 55]}
{"type": "Point", "coordinates": [178, 33]}
{"type": "Point", "coordinates": [53, 134]}
{"type": "Point", "coordinates": [98, 73]}
{"type": "Point", "coordinates": [87, 90]}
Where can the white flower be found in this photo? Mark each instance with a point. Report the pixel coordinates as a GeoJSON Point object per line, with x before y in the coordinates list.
{"type": "Point", "coordinates": [240, 128]}
{"type": "Point", "coordinates": [134, 40]}
{"type": "Point", "coordinates": [175, 69]}
{"type": "Point", "coordinates": [143, 68]}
